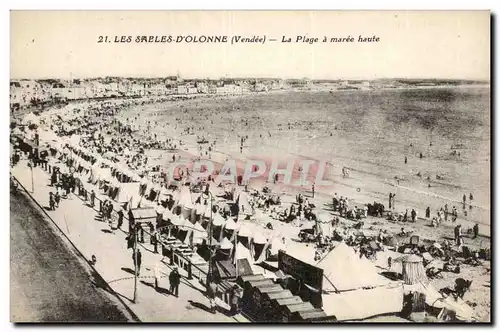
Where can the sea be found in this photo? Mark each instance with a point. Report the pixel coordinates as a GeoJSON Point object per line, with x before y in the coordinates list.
{"type": "Point", "coordinates": [443, 132]}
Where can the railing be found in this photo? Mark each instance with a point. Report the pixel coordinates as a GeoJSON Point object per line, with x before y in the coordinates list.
{"type": "Point", "coordinates": [200, 274]}
{"type": "Point", "coordinates": [96, 274]}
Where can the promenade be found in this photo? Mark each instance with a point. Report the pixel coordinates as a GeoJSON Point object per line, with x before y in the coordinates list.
{"type": "Point", "coordinates": [81, 224]}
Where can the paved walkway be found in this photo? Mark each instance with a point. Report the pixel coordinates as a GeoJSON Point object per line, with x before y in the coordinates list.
{"type": "Point", "coordinates": [114, 261]}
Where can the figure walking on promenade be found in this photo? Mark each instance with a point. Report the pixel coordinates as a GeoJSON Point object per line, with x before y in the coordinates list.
{"type": "Point", "coordinates": [120, 218]}
{"type": "Point", "coordinates": [211, 290]}
{"type": "Point", "coordinates": [92, 198]}
{"type": "Point", "coordinates": [137, 258]}
{"type": "Point", "coordinates": [51, 201]}
{"type": "Point", "coordinates": [157, 272]}
{"type": "Point", "coordinates": [175, 279]}
{"type": "Point", "coordinates": [57, 198]}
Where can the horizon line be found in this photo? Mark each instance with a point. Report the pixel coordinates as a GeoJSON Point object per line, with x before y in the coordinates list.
{"type": "Point", "coordinates": [252, 77]}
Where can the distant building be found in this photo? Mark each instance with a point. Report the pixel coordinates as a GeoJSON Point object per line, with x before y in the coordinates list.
{"type": "Point", "coordinates": [182, 89]}
{"type": "Point", "coordinates": [202, 87]}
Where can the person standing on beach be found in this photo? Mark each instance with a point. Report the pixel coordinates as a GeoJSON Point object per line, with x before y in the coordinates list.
{"type": "Point", "coordinates": [464, 199]}
{"type": "Point", "coordinates": [458, 235]}
{"type": "Point", "coordinates": [313, 190]}
{"type": "Point", "coordinates": [475, 230]}
{"type": "Point", "coordinates": [446, 212]}
{"type": "Point", "coordinates": [406, 160]}
{"type": "Point", "coordinates": [413, 215]}
{"type": "Point", "coordinates": [428, 212]}
{"type": "Point", "coordinates": [454, 213]}
{"type": "Point", "coordinates": [390, 200]}
{"type": "Point", "coordinates": [393, 201]}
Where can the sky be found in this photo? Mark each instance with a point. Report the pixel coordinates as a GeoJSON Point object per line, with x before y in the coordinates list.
{"type": "Point", "coordinates": [420, 44]}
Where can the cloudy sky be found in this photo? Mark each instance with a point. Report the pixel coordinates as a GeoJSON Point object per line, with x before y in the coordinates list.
{"type": "Point", "coordinates": [63, 44]}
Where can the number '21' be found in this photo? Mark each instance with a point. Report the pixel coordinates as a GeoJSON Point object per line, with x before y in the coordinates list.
{"type": "Point", "coordinates": [102, 39]}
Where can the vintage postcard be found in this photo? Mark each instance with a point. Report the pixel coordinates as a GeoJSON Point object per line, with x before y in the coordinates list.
{"type": "Point", "coordinates": [250, 166]}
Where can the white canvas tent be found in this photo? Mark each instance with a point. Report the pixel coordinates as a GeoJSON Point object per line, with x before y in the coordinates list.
{"type": "Point", "coordinates": [244, 204]}
{"type": "Point", "coordinates": [353, 289]}
{"type": "Point", "coordinates": [184, 198]}
{"type": "Point", "coordinates": [30, 118]}
{"type": "Point", "coordinates": [127, 192]}
{"type": "Point", "coordinates": [434, 299]}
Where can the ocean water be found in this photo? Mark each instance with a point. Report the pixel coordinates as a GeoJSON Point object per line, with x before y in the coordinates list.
{"type": "Point", "coordinates": [369, 132]}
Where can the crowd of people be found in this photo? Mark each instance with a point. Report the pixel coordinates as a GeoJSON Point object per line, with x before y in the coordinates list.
{"type": "Point", "coordinates": [103, 134]}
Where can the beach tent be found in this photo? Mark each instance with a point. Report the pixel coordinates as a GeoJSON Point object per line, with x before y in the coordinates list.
{"type": "Point", "coordinates": [353, 289]}
{"type": "Point", "coordinates": [160, 210]}
{"type": "Point", "coordinates": [200, 208]}
{"type": "Point", "coordinates": [344, 270]}
{"type": "Point", "coordinates": [127, 191]}
{"type": "Point", "coordinates": [75, 140]}
{"type": "Point", "coordinates": [276, 245]}
{"type": "Point", "coordinates": [258, 237]}
{"type": "Point", "coordinates": [243, 204]}
{"type": "Point", "coordinates": [30, 118]}
{"type": "Point", "coordinates": [176, 220]}
{"type": "Point", "coordinates": [226, 244]}
{"type": "Point", "coordinates": [413, 269]}
{"type": "Point", "coordinates": [231, 225]}
{"type": "Point", "coordinates": [241, 252]}
{"type": "Point", "coordinates": [199, 233]}
{"type": "Point", "coordinates": [184, 198]}
{"type": "Point", "coordinates": [167, 214]}
{"type": "Point", "coordinates": [246, 230]}
{"type": "Point", "coordinates": [434, 299]}
{"type": "Point", "coordinates": [218, 220]}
